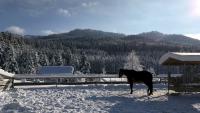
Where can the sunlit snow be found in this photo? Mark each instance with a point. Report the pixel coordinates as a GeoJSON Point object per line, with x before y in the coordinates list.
{"type": "Point", "coordinates": [95, 99]}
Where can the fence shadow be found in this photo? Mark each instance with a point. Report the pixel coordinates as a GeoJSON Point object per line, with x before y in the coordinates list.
{"type": "Point", "coordinates": [158, 104]}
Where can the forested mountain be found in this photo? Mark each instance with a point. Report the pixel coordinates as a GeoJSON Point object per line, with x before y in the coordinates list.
{"type": "Point", "coordinates": [79, 33]}
{"type": "Point", "coordinates": [171, 38]}
{"type": "Point", "coordinates": [90, 51]}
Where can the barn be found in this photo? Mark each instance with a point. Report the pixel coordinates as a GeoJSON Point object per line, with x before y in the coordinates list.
{"type": "Point", "coordinates": [189, 65]}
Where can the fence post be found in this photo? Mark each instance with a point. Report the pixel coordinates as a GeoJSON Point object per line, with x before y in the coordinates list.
{"type": "Point", "coordinates": [168, 76]}
{"type": "Point", "coordinates": [168, 82]}
{"type": "Point", "coordinates": [56, 82]}
{"type": "Point", "coordinates": [12, 83]}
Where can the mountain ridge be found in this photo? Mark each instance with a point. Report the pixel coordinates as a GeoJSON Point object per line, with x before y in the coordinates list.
{"type": "Point", "coordinates": [171, 38]}
{"type": "Point", "coordinates": [78, 33]}
{"type": "Point", "coordinates": [152, 36]}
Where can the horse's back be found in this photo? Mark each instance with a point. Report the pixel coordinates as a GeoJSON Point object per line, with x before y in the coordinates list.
{"type": "Point", "coordinates": [142, 76]}
{"type": "Point", "coordinates": [138, 75]}
{"type": "Point", "coordinates": [146, 73]}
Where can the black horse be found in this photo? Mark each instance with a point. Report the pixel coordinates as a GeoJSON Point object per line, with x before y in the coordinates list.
{"type": "Point", "coordinates": [138, 76]}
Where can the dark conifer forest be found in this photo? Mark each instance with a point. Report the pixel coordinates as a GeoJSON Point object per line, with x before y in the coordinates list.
{"type": "Point", "coordinates": [90, 51]}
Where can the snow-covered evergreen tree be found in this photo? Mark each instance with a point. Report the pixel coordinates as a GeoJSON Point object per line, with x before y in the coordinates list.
{"type": "Point", "coordinates": [43, 59]}
{"type": "Point", "coordinates": [67, 57]}
{"type": "Point", "coordinates": [84, 64]}
{"type": "Point", "coordinates": [75, 62]}
{"type": "Point", "coordinates": [2, 58]}
{"type": "Point", "coordinates": [86, 68]}
{"type": "Point", "coordinates": [26, 63]}
{"type": "Point", "coordinates": [52, 61]}
{"type": "Point", "coordinates": [36, 59]}
{"type": "Point", "coordinates": [58, 59]}
{"type": "Point", "coordinates": [9, 58]}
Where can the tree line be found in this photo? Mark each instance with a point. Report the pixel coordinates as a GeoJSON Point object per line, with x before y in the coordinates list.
{"type": "Point", "coordinates": [87, 54]}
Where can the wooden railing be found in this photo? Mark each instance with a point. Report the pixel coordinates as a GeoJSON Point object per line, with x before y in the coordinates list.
{"type": "Point", "coordinates": [74, 79]}
{"type": "Point", "coordinates": [69, 79]}
{"type": "Point", "coordinates": [8, 82]}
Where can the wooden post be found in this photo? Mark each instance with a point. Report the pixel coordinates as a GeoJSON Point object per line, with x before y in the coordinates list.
{"type": "Point", "coordinates": [56, 82]}
{"type": "Point", "coordinates": [12, 83]}
{"type": "Point", "coordinates": [168, 76]}
{"type": "Point", "coordinates": [99, 79]}
{"type": "Point", "coordinates": [168, 85]}
{"type": "Point", "coordinates": [184, 77]}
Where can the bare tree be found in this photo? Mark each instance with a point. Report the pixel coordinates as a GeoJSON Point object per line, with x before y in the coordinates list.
{"type": "Point", "coordinates": [132, 62]}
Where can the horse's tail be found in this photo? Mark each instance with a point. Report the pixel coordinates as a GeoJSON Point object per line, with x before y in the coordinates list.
{"type": "Point", "coordinates": [151, 89]}
{"type": "Point", "coordinates": [151, 86]}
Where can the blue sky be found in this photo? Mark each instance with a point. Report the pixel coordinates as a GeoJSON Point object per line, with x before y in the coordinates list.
{"type": "Point", "coordinates": [42, 17]}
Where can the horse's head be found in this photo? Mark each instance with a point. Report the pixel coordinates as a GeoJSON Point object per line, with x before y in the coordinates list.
{"type": "Point", "coordinates": [121, 73]}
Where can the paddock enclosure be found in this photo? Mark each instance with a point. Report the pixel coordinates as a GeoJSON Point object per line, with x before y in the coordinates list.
{"type": "Point", "coordinates": [18, 80]}
{"type": "Point", "coordinates": [10, 80]}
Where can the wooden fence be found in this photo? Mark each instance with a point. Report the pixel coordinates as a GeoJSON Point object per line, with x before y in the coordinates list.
{"type": "Point", "coordinates": [9, 80]}
{"type": "Point", "coordinates": [69, 79]}
{"type": "Point", "coordinates": [75, 79]}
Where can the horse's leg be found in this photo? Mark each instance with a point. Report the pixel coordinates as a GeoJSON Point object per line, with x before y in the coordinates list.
{"type": "Point", "coordinates": [131, 87]}
{"type": "Point", "coordinates": [149, 88]}
{"type": "Point", "coordinates": [148, 91]}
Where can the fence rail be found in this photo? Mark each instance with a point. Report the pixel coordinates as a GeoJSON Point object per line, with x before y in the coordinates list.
{"type": "Point", "coordinates": [9, 80]}
{"type": "Point", "coordinates": [69, 79]}
{"type": "Point", "coordinates": [33, 76]}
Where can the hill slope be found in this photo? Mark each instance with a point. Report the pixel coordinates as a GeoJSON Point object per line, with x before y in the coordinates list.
{"type": "Point", "coordinates": [83, 33]}
{"type": "Point", "coordinates": [89, 50]}
{"type": "Point", "coordinates": [170, 38]}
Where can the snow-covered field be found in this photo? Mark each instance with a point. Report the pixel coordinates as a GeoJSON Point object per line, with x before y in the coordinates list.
{"type": "Point", "coordinates": [96, 99]}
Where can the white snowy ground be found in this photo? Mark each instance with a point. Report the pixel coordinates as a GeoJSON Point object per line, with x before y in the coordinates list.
{"type": "Point", "coordinates": [96, 99]}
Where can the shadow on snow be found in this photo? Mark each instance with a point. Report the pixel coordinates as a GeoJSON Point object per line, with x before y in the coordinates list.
{"type": "Point", "coordinates": [145, 104]}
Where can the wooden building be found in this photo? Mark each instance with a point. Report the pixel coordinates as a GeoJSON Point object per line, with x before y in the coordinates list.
{"type": "Point", "coordinates": [189, 65]}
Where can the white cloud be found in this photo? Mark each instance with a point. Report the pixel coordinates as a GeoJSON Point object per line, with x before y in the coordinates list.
{"type": "Point", "coordinates": [48, 32]}
{"type": "Point", "coordinates": [16, 30]}
{"type": "Point", "coordinates": [64, 12]}
{"type": "Point", "coordinates": [89, 4]}
{"type": "Point", "coordinates": [84, 4]}
{"type": "Point", "coordinates": [195, 36]}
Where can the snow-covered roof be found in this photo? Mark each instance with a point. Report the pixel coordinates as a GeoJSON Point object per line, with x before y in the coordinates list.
{"type": "Point", "coordinates": [55, 69]}
{"type": "Point", "coordinates": [6, 74]}
{"type": "Point", "coordinates": [177, 58]}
